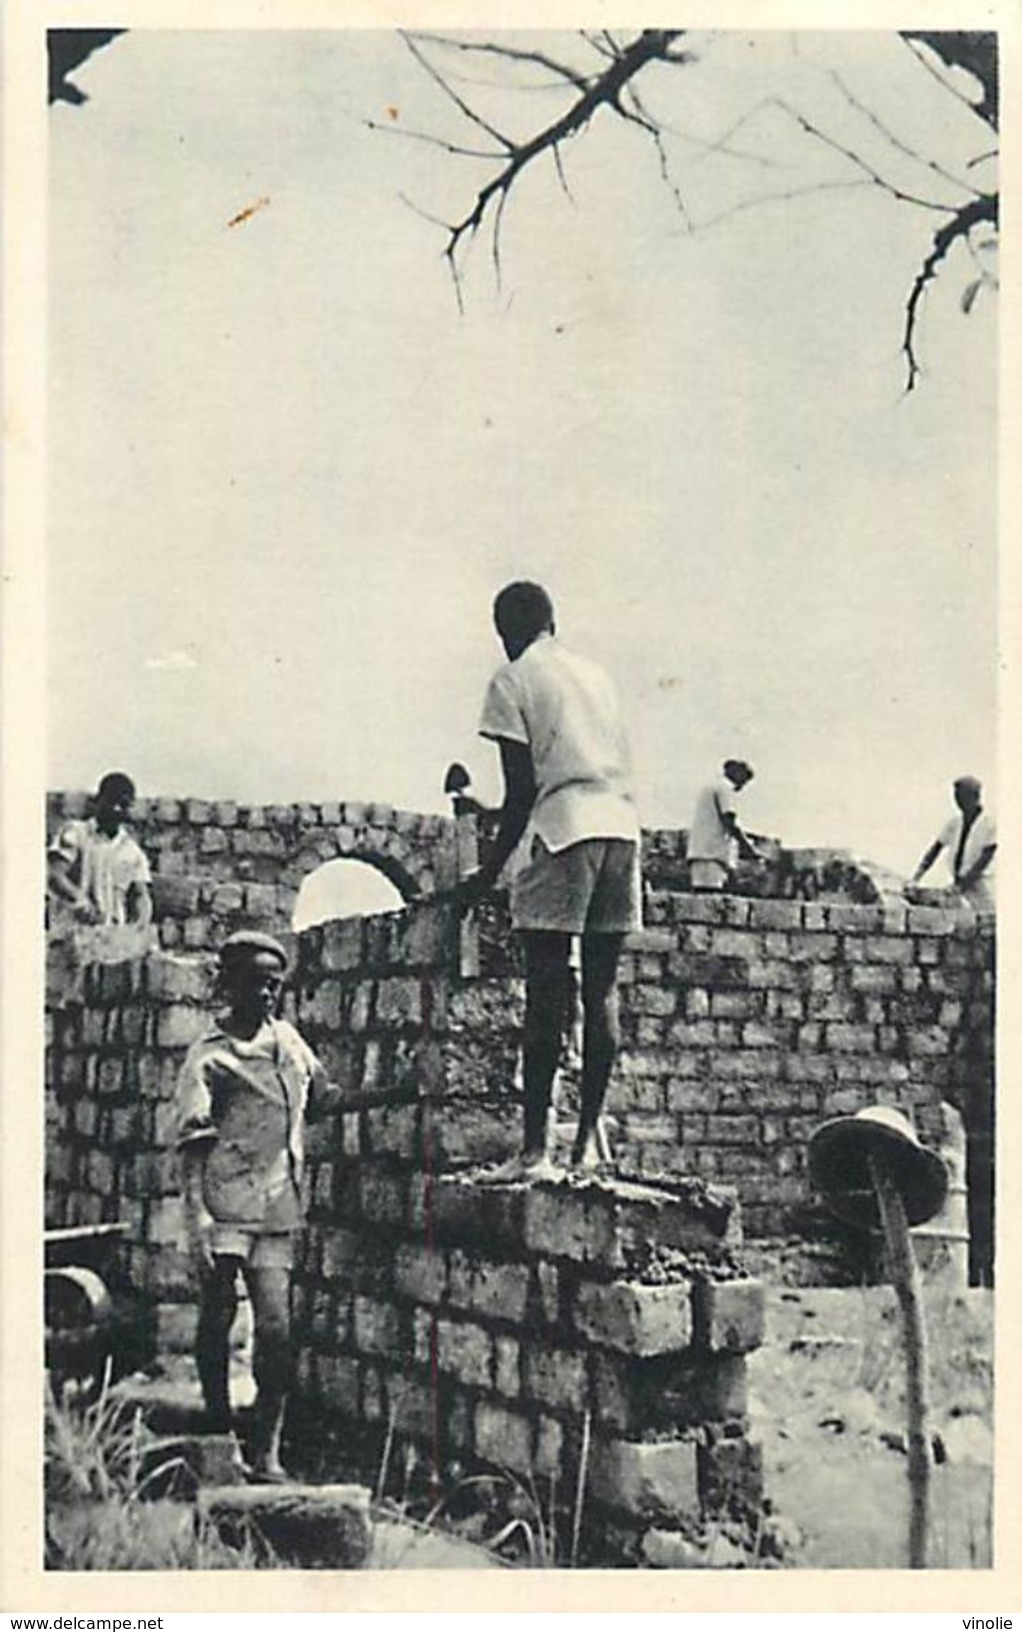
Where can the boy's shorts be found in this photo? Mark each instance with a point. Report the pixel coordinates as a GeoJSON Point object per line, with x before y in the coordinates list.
{"type": "Point", "coordinates": [260, 1249]}
{"type": "Point", "coordinates": [591, 888]}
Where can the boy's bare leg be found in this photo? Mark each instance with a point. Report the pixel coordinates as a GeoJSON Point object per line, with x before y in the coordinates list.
{"type": "Point", "coordinates": [547, 985]}
{"type": "Point", "coordinates": [601, 1036]}
{"type": "Point", "coordinates": [270, 1291]}
{"type": "Point", "coordinates": [218, 1305]}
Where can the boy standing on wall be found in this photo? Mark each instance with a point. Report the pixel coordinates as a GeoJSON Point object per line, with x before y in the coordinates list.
{"type": "Point", "coordinates": [567, 777]}
{"type": "Point", "coordinates": [244, 1090]}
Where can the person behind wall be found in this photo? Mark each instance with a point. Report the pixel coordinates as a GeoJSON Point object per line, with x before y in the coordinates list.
{"type": "Point", "coordinates": [566, 762]}
{"type": "Point", "coordinates": [970, 843]}
{"type": "Point", "coordinates": [244, 1091]}
{"type": "Point", "coordinates": [716, 840]}
{"type": "Point", "coordinates": [99, 906]}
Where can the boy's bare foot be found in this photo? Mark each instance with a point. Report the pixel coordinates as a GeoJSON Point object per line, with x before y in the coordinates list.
{"type": "Point", "coordinates": [587, 1157]}
{"type": "Point", "coordinates": [262, 1472]}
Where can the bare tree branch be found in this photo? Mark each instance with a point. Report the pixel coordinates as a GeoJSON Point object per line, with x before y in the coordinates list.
{"type": "Point", "coordinates": [976, 52]}
{"type": "Point", "coordinates": [510, 53]}
{"type": "Point", "coordinates": [985, 208]}
{"type": "Point", "coordinates": [459, 102]}
{"type": "Point", "coordinates": [605, 91]}
{"type": "Point", "coordinates": [433, 141]}
{"type": "Point", "coordinates": [895, 141]}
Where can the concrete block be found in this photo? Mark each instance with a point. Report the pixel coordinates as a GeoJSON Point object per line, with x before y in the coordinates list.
{"type": "Point", "coordinates": [648, 1480]}
{"type": "Point", "coordinates": [308, 1526]}
{"type": "Point", "coordinates": [634, 1318]}
{"type": "Point", "coordinates": [729, 1315]}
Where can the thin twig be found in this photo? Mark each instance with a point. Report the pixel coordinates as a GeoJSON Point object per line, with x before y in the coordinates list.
{"type": "Point", "coordinates": [895, 141]}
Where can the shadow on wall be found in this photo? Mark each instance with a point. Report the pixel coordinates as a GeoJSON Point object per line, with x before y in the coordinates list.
{"type": "Point", "coordinates": [345, 888]}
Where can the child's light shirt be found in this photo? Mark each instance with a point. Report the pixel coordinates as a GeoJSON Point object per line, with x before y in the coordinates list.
{"type": "Point", "coordinates": [104, 868]}
{"type": "Point", "coordinates": [247, 1100]}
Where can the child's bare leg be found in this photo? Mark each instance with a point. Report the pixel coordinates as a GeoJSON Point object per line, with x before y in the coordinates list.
{"type": "Point", "coordinates": [270, 1291]}
{"type": "Point", "coordinates": [600, 957]}
{"type": "Point", "coordinates": [218, 1305]}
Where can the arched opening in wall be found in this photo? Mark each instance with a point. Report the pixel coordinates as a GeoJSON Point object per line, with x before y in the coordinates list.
{"type": "Point", "coordinates": [345, 888]}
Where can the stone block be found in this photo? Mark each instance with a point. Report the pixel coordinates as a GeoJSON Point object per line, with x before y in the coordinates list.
{"type": "Point", "coordinates": [502, 1437]}
{"type": "Point", "coordinates": [325, 1527]}
{"type": "Point", "coordinates": [465, 1351]}
{"type": "Point", "coordinates": [729, 1315]}
{"type": "Point", "coordinates": [648, 1480]}
{"type": "Point", "coordinates": [499, 1291]}
{"type": "Point", "coordinates": [634, 1318]}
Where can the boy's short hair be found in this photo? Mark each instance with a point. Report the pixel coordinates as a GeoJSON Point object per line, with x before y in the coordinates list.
{"type": "Point", "coordinates": [115, 785]}
{"type": "Point", "coordinates": [523, 610]}
{"type": "Point", "coordinates": [241, 947]}
{"type": "Point", "coordinates": [740, 767]}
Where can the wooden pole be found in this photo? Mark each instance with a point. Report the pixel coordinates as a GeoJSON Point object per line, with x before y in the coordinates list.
{"type": "Point", "coordinates": [905, 1279]}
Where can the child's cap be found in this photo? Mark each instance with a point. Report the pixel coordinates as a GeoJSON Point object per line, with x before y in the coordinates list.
{"type": "Point", "coordinates": [244, 943]}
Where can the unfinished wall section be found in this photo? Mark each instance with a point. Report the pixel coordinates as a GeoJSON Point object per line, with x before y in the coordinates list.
{"type": "Point", "coordinates": [218, 865]}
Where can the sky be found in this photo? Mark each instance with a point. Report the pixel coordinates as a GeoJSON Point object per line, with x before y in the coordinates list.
{"type": "Point", "coordinates": [287, 474]}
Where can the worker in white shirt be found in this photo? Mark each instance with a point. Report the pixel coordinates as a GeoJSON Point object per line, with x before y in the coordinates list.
{"type": "Point", "coordinates": [970, 842]}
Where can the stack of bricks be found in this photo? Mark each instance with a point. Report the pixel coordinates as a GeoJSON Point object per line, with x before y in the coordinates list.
{"type": "Point", "coordinates": [218, 864]}
{"type": "Point", "coordinates": [587, 1335]}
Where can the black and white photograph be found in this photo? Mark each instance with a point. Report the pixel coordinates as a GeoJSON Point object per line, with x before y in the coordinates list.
{"type": "Point", "coordinates": [517, 905]}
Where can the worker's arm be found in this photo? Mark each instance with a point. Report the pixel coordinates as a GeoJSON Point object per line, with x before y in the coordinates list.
{"type": "Point", "coordinates": [978, 868]}
{"type": "Point", "coordinates": [197, 1218]}
{"type": "Point", "coordinates": [519, 798]}
{"type": "Point", "coordinates": [62, 885]}
{"type": "Point", "coordinates": [139, 903]}
{"type": "Point", "coordinates": [730, 824]}
{"type": "Point", "coordinates": [928, 860]}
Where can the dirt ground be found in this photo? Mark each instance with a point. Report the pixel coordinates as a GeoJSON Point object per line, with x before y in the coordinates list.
{"type": "Point", "coordinates": [827, 1405]}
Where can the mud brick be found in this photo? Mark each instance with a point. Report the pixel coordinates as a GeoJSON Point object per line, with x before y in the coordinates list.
{"type": "Point", "coordinates": [555, 1378]}
{"type": "Point", "coordinates": [889, 949]}
{"type": "Point", "coordinates": [379, 1328]}
{"type": "Point", "coordinates": [775, 972]}
{"type": "Point", "coordinates": [420, 1272]}
{"type": "Point", "coordinates": [732, 1130]}
{"type": "Point", "coordinates": [729, 1315]}
{"type": "Point", "coordinates": [338, 1376]}
{"type": "Point", "coordinates": [399, 1002]}
{"type": "Point", "coordinates": [700, 1034]}
{"type": "Point", "coordinates": [507, 1353]}
{"type": "Point", "coordinates": [416, 1409]}
{"type": "Point", "coordinates": [549, 1447]}
{"type": "Point", "coordinates": [342, 945]}
{"type": "Point", "coordinates": [651, 1480]}
{"type": "Point", "coordinates": [730, 1472]}
{"type": "Point", "coordinates": [667, 1392]}
{"type": "Point", "coordinates": [634, 1318]}
{"type": "Point", "coordinates": [651, 940]}
{"type": "Point", "coordinates": [360, 1011]}
{"type": "Point", "coordinates": [383, 1195]}
{"type": "Point", "coordinates": [503, 1437]}
{"type": "Point", "coordinates": [464, 1132]}
{"type": "Point", "coordinates": [465, 1212]}
{"type": "Point", "coordinates": [850, 1039]}
{"type": "Point", "coordinates": [173, 894]}
{"type": "Point", "coordinates": [424, 1335]}
{"type": "Point", "coordinates": [86, 1115]}
{"type": "Point", "coordinates": [775, 914]}
{"type": "Point", "coordinates": [465, 1351]}
{"type": "Point", "coordinates": [653, 1000]}
{"type": "Point", "coordinates": [927, 1042]}
{"type": "Point", "coordinates": [498, 1290]}
{"type": "Point", "coordinates": [873, 977]}
{"type": "Point", "coordinates": [393, 1130]}
{"type": "Point", "coordinates": [425, 936]}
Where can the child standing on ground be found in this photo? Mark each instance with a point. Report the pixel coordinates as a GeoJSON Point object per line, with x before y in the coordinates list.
{"type": "Point", "coordinates": [244, 1090]}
